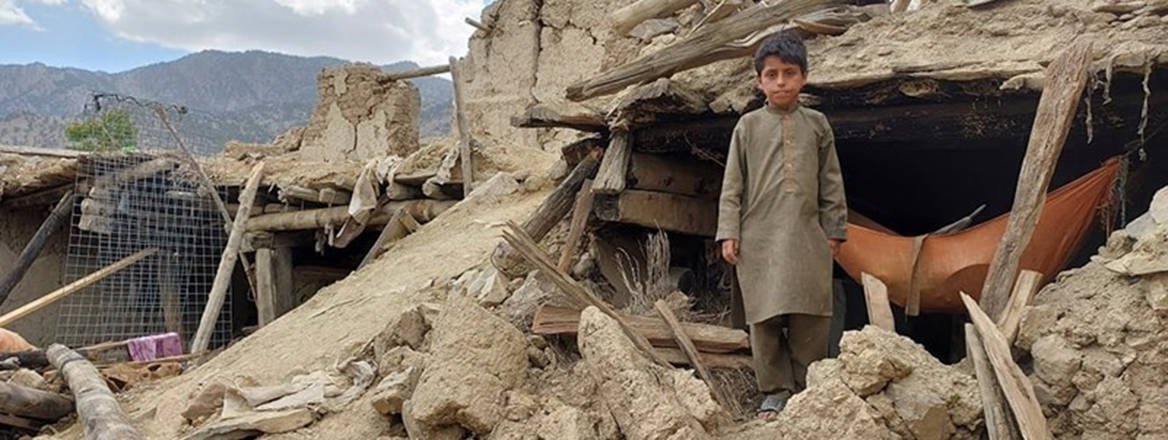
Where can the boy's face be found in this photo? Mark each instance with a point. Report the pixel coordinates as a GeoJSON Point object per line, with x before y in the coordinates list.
{"type": "Point", "coordinates": [781, 81]}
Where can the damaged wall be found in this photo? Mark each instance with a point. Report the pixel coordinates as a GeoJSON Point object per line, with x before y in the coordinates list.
{"type": "Point", "coordinates": [46, 274]}
{"type": "Point", "coordinates": [359, 115]}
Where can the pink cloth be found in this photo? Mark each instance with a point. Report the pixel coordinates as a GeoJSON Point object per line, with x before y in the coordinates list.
{"type": "Point", "coordinates": [148, 348]}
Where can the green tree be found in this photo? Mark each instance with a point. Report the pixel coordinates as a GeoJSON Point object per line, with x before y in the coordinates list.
{"type": "Point", "coordinates": [113, 131]}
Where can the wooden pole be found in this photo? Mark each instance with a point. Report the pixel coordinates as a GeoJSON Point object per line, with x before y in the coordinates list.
{"type": "Point", "coordinates": [36, 151]}
{"type": "Point", "coordinates": [1065, 78]}
{"type": "Point", "coordinates": [475, 23]}
{"type": "Point", "coordinates": [998, 420]}
{"type": "Point", "coordinates": [1015, 385]}
{"type": "Point", "coordinates": [33, 248]}
{"type": "Point", "coordinates": [416, 73]}
{"type": "Point", "coordinates": [422, 210]}
{"type": "Point", "coordinates": [227, 262]}
{"type": "Point", "coordinates": [73, 287]}
{"type": "Point", "coordinates": [101, 416]}
{"type": "Point", "coordinates": [463, 130]}
{"type": "Point", "coordinates": [690, 351]}
{"type": "Point", "coordinates": [265, 295]}
{"type": "Point", "coordinates": [31, 402]}
{"type": "Point", "coordinates": [580, 213]}
{"type": "Point", "coordinates": [628, 17]}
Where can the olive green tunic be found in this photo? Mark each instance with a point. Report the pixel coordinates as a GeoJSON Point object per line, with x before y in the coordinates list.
{"type": "Point", "coordinates": [783, 197]}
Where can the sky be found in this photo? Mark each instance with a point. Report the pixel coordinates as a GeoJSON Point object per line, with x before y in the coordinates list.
{"type": "Point", "coordinates": [118, 35]}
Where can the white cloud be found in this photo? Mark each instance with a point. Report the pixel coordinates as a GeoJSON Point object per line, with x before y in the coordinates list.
{"type": "Point", "coordinates": [10, 14]}
{"type": "Point", "coordinates": [378, 31]}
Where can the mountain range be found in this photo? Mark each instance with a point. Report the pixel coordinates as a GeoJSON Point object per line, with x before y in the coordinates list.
{"type": "Point", "coordinates": [247, 96]}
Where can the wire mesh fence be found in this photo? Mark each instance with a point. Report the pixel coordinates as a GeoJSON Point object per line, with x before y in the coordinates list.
{"type": "Point", "coordinates": [129, 199]}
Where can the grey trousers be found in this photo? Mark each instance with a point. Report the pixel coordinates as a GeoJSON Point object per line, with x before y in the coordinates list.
{"type": "Point", "coordinates": [781, 360]}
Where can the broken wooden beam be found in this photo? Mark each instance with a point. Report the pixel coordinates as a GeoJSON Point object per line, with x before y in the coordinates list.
{"type": "Point", "coordinates": [561, 115]}
{"type": "Point", "coordinates": [876, 298]}
{"type": "Point", "coordinates": [660, 210]}
{"type": "Point", "coordinates": [464, 146]}
{"type": "Point", "coordinates": [628, 17]}
{"type": "Point", "coordinates": [554, 320]}
{"type": "Point", "coordinates": [475, 24]}
{"type": "Point", "coordinates": [32, 249]}
{"type": "Point", "coordinates": [610, 177]}
{"type": "Point", "coordinates": [1065, 78]}
{"type": "Point", "coordinates": [401, 224]}
{"type": "Point", "coordinates": [663, 173]}
{"type": "Point", "coordinates": [691, 352]}
{"type": "Point", "coordinates": [227, 262]}
{"type": "Point", "coordinates": [551, 211]}
{"type": "Point", "coordinates": [1015, 385]}
{"type": "Point", "coordinates": [700, 48]}
{"type": "Point", "coordinates": [713, 360]}
{"type": "Point", "coordinates": [422, 210]}
{"type": "Point", "coordinates": [999, 421]}
{"type": "Point", "coordinates": [30, 402]}
{"type": "Point", "coordinates": [580, 212]}
{"type": "Point", "coordinates": [101, 416]}
{"type": "Point", "coordinates": [274, 289]}
{"type": "Point", "coordinates": [660, 100]}
{"type": "Point", "coordinates": [1024, 289]}
{"type": "Point", "coordinates": [73, 287]}
{"type": "Point", "coordinates": [415, 73]}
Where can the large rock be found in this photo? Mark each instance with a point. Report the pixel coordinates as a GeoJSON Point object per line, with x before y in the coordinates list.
{"type": "Point", "coordinates": [642, 396]}
{"type": "Point", "coordinates": [361, 115]}
{"type": "Point", "coordinates": [475, 358]}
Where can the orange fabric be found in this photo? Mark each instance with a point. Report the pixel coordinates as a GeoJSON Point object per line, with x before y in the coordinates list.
{"type": "Point", "coordinates": [11, 341]}
{"type": "Point", "coordinates": [953, 263]}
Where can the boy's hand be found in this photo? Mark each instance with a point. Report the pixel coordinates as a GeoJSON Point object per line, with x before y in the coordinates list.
{"type": "Point", "coordinates": [730, 250]}
{"type": "Point", "coordinates": [835, 247]}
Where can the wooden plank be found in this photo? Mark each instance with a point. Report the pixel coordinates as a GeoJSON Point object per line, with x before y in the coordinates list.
{"type": "Point", "coordinates": [1015, 385]}
{"type": "Point", "coordinates": [265, 294]}
{"type": "Point", "coordinates": [30, 402]}
{"type": "Point", "coordinates": [1024, 289]}
{"type": "Point", "coordinates": [691, 352]}
{"type": "Point", "coordinates": [399, 75]}
{"type": "Point", "coordinates": [32, 249]}
{"type": "Point", "coordinates": [660, 100]}
{"type": "Point", "coordinates": [464, 150]}
{"type": "Point", "coordinates": [664, 173]}
{"type": "Point", "coordinates": [73, 287]}
{"type": "Point", "coordinates": [580, 212]}
{"type": "Point", "coordinates": [37, 151]}
{"type": "Point", "coordinates": [713, 360]}
{"type": "Point", "coordinates": [550, 212]}
{"type": "Point", "coordinates": [702, 47]}
{"type": "Point", "coordinates": [659, 210]}
{"type": "Point", "coordinates": [554, 320]}
{"type": "Point", "coordinates": [396, 229]}
{"type": "Point", "coordinates": [1065, 78]}
{"type": "Point", "coordinates": [628, 17]}
{"type": "Point", "coordinates": [610, 178]}
{"type": "Point", "coordinates": [876, 297]}
{"type": "Point", "coordinates": [999, 421]}
{"type": "Point", "coordinates": [227, 262]}
{"type": "Point", "coordinates": [561, 115]}
{"type": "Point", "coordinates": [422, 210]}
{"type": "Point", "coordinates": [101, 417]}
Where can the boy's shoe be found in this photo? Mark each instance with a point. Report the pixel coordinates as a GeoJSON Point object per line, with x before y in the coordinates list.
{"type": "Point", "coordinates": [773, 404]}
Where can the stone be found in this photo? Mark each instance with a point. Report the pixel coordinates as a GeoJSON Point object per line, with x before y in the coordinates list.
{"type": "Point", "coordinates": [924, 413]}
{"type": "Point", "coordinates": [498, 186]}
{"type": "Point", "coordinates": [407, 328]}
{"type": "Point", "coordinates": [400, 358]}
{"type": "Point", "coordinates": [493, 290]}
{"type": "Point", "coordinates": [830, 411]}
{"type": "Point", "coordinates": [394, 390]}
{"type": "Point", "coordinates": [420, 431]}
{"type": "Point", "coordinates": [1157, 295]}
{"type": "Point", "coordinates": [1055, 361]}
{"type": "Point", "coordinates": [28, 378]}
{"type": "Point", "coordinates": [653, 27]}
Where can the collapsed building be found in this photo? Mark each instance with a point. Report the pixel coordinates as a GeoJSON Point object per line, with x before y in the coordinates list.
{"type": "Point", "coordinates": [433, 328]}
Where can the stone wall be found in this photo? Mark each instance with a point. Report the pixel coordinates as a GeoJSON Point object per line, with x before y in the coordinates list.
{"type": "Point", "coordinates": [360, 115]}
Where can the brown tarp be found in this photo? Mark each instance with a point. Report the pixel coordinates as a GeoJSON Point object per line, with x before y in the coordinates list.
{"type": "Point", "coordinates": [948, 264]}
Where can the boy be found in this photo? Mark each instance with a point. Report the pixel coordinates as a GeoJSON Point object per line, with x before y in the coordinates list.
{"type": "Point", "coordinates": [781, 220]}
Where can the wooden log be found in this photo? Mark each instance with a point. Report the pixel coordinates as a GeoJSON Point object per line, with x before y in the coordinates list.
{"type": "Point", "coordinates": [1015, 385]}
{"type": "Point", "coordinates": [580, 212]}
{"type": "Point", "coordinates": [660, 100]}
{"type": "Point", "coordinates": [659, 210]}
{"type": "Point", "coordinates": [414, 73]}
{"type": "Point", "coordinates": [712, 360]}
{"type": "Point", "coordinates": [73, 287]}
{"type": "Point", "coordinates": [295, 193]}
{"type": "Point", "coordinates": [33, 248]}
{"type": "Point", "coordinates": [999, 421]}
{"type": "Point", "coordinates": [332, 196]}
{"type": "Point", "coordinates": [662, 173]}
{"type": "Point", "coordinates": [227, 262]}
{"type": "Point", "coordinates": [30, 402]}
{"type": "Point", "coordinates": [475, 23]}
{"type": "Point", "coordinates": [397, 191]}
{"type": "Point", "coordinates": [876, 297]}
{"type": "Point", "coordinates": [36, 151]}
{"type": "Point", "coordinates": [561, 115]}
{"type": "Point", "coordinates": [422, 210]}
{"type": "Point", "coordinates": [1065, 78]}
{"type": "Point", "coordinates": [691, 352]}
{"type": "Point", "coordinates": [101, 417]}
{"type": "Point", "coordinates": [550, 212]}
{"type": "Point", "coordinates": [554, 320]}
{"type": "Point", "coordinates": [526, 246]}
{"type": "Point", "coordinates": [702, 47]}
{"type": "Point", "coordinates": [464, 147]}
{"type": "Point", "coordinates": [610, 178]}
{"type": "Point", "coordinates": [265, 294]}
{"type": "Point", "coordinates": [1024, 289]}
{"type": "Point", "coordinates": [628, 17]}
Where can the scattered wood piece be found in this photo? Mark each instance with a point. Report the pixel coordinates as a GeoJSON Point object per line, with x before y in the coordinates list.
{"type": "Point", "coordinates": [712, 360]}
{"type": "Point", "coordinates": [691, 352]}
{"type": "Point", "coordinates": [1065, 78]}
{"type": "Point", "coordinates": [255, 424]}
{"type": "Point", "coordinates": [818, 27]}
{"type": "Point", "coordinates": [101, 417]}
{"type": "Point", "coordinates": [227, 262]}
{"type": "Point", "coordinates": [36, 151]}
{"type": "Point", "coordinates": [30, 402]}
{"type": "Point", "coordinates": [422, 210]}
{"type": "Point", "coordinates": [399, 226]}
{"type": "Point", "coordinates": [1015, 385]}
{"type": "Point", "coordinates": [414, 73]}
{"type": "Point", "coordinates": [554, 320]}
{"type": "Point", "coordinates": [464, 147]}
{"type": "Point", "coordinates": [876, 297]}
{"type": "Point", "coordinates": [899, 5]}
{"type": "Point", "coordinates": [75, 286]}
{"type": "Point", "coordinates": [628, 17]}
{"type": "Point", "coordinates": [1024, 289]}
{"type": "Point", "coordinates": [550, 212]}
{"type": "Point", "coordinates": [32, 249]}
{"type": "Point", "coordinates": [610, 178]}
{"type": "Point", "coordinates": [21, 422]}
{"type": "Point", "coordinates": [477, 25]}
{"type": "Point", "coordinates": [526, 246]}
{"type": "Point", "coordinates": [724, 9]}
{"type": "Point", "coordinates": [702, 47]}
{"type": "Point", "coordinates": [660, 100]}
{"type": "Point", "coordinates": [999, 421]}
{"type": "Point", "coordinates": [660, 210]}
{"type": "Point", "coordinates": [580, 212]}
{"type": "Point", "coordinates": [561, 115]}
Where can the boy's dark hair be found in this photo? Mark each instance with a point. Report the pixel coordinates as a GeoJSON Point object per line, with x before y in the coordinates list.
{"type": "Point", "coordinates": [786, 46]}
